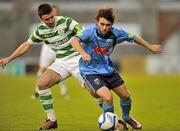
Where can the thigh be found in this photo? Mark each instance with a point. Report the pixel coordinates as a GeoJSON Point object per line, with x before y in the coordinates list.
{"type": "Point", "coordinates": [48, 79]}
{"type": "Point", "coordinates": [105, 93]}
{"type": "Point", "coordinates": [122, 91]}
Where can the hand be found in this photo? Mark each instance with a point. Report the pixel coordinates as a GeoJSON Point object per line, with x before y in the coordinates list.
{"type": "Point", "coordinates": [156, 48]}
{"type": "Point", "coordinates": [3, 62]}
{"type": "Point", "coordinates": [86, 57]}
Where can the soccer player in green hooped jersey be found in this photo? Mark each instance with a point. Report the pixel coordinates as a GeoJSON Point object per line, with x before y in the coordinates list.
{"type": "Point", "coordinates": [47, 57]}
{"type": "Point", "coordinates": [55, 31]}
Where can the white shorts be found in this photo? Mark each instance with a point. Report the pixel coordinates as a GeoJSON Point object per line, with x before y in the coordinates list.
{"type": "Point", "coordinates": [67, 68]}
{"type": "Point", "coordinates": [47, 56]}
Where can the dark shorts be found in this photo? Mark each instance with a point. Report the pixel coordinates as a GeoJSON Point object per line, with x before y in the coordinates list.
{"type": "Point", "coordinates": [96, 81]}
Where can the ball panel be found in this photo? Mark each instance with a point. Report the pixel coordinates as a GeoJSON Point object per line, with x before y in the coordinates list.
{"type": "Point", "coordinates": [108, 121]}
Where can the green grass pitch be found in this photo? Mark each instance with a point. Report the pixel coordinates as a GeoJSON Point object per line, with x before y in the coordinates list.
{"type": "Point", "coordinates": [156, 104]}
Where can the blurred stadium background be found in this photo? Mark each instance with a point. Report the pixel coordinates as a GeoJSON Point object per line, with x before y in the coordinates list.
{"type": "Point", "coordinates": [154, 80]}
{"type": "Point", "coordinates": [157, 21]}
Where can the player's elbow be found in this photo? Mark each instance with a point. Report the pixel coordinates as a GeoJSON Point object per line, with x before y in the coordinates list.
{"type": "Point", "coordinates": [74, 42]}
{"type": "Point", "coordinates": [27, 46]}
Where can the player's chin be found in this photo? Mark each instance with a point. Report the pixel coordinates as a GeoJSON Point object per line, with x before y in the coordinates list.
{"type": "Point", "coordinates": [104, 33]}
{"type": "Point", "coordinates": [50, 25]}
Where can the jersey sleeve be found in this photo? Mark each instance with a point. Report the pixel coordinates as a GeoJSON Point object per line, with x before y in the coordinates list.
{"type": "Point", "coordinates": [74, 26]}
{"type": "Point", "coordinates": [122, 35]}
{"type": "Point", "coordinates": [78, 29]}
{"type": "Point", "coordinates": [84, 36]}
{"type": "Point", "coordinates": [35, 37]}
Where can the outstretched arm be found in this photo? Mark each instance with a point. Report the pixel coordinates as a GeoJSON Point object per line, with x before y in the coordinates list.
{"type": "Point", "coordinates": [23, 48]}
{"type": "Point", "coordinates": [77, 46]}
{"type": "Point", "coordinates": [153, 48]}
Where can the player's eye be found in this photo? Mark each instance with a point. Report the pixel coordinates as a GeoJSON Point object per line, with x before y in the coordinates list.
{"type": "Point", "coordinates": [107, 25]}
{"type": "Point", "coordinates": [49, 18]}
{"type": "Point", "coordinates": [102, 24]}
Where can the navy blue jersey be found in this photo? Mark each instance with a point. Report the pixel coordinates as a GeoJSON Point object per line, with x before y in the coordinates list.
{"type": "Point", "coordinates": [100, 48]}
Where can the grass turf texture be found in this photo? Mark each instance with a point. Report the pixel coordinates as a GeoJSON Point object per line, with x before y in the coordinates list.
{"type": "Point", "coordinates": [156, 104]}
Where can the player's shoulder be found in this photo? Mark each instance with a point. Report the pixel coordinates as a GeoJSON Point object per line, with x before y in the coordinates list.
{"type": "Point", "coordinates": [41, 26]}
{"type": "Point", "coordinates": [60, 18]}
{"type": "Point", "coordinates": [63, 19]}
{"type": "Point", "coordinates": [117, 31]}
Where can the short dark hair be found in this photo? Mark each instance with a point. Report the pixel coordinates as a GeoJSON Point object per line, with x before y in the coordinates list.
{"type": "Point", "coordinates": [44, 9]}
{"type": "Point", "coordinates": [106, 13]}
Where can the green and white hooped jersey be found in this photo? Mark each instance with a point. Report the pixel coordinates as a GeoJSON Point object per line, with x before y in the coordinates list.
{"type": "Point", "coordinates": [57, 38]}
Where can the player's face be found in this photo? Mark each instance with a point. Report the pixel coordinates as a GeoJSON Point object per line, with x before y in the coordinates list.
{"type": "Point", "coordinates": [104, 26]}
{"type": "Point", "coordinates": [49, 19]}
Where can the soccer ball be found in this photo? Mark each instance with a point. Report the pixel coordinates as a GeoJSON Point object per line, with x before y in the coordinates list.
{"type": "Point", "coordinates": [108, 121]}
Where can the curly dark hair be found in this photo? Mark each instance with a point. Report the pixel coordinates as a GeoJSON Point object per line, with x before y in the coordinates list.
{"type": "Point", "coordinates": [106, 13]}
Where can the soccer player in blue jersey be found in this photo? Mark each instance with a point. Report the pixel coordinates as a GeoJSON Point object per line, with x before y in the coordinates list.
{"type": "Point", "coordinates": [96, 66]}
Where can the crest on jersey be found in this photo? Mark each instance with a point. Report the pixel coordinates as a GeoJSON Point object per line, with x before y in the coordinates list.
{"type": "Point", "coordinates": [110, 41]}
{"type": "Point", "coordinates": [60, 32]}
{"type": "Point", "coordinates": [96, 81]}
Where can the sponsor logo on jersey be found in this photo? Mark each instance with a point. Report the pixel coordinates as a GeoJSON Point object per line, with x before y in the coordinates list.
{"type": "Point", "coordinates": [101, 51]}
{"type": "Point", "coordinates": [60, 32]}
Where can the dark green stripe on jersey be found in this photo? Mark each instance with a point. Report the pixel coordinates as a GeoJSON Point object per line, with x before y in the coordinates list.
{"type": "Point", "coordinates": [65, 54]}
{"type": "Point", "coordinates": [42, 27]}
{"type": "Point", "coordinates": [78, 28]}
{"type": "Point", "coordinates": [68, 22]}
{"type": "Point", "coordinates": [34, 39]}
{"type": "Point", "coordinates": [61, 21]}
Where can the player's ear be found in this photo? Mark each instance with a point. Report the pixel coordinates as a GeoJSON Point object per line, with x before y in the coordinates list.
{"type": "Point", "coordinates": [40, 17]}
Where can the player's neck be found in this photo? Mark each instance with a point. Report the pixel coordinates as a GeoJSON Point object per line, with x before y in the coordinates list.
{"type": "Point", "coordinates": [103, 35]}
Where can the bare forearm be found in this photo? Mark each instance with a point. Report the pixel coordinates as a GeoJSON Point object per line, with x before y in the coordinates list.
{"type": "Point", "coordinates": [154, 48]}
{"type": "Point", "coordinates": [142, 42]}
{"type": "Point", "coordinates": [22, 49]}
{"type": "Point", "coordinates": [77, 46]}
